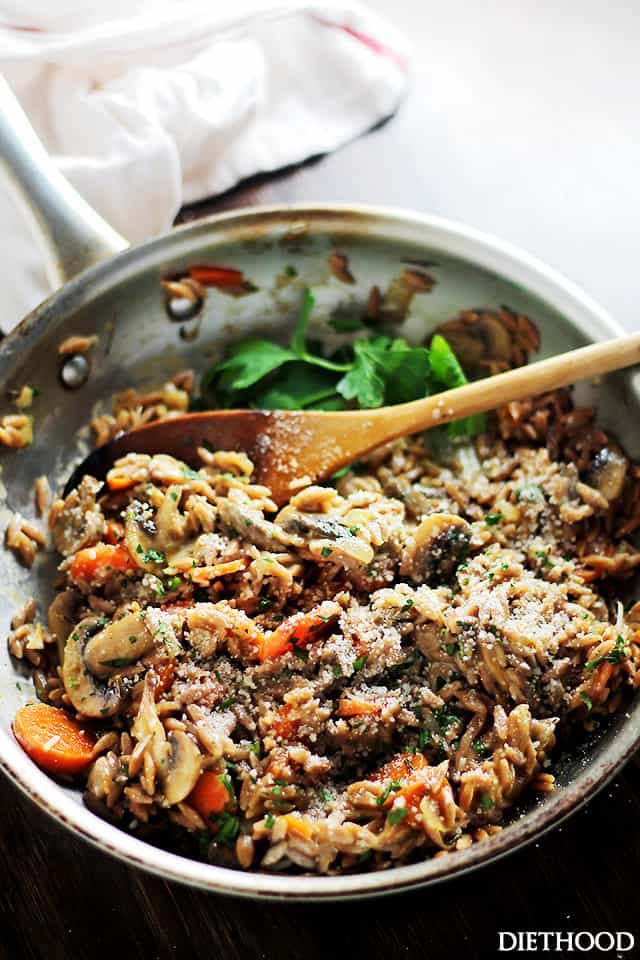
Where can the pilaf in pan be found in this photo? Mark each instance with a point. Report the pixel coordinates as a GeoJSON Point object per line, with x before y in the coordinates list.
{"type": "Point", "coordinates": [371, 674]}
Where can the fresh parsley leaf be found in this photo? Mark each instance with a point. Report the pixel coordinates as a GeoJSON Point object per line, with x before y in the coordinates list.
{"type": "Point", "coordinates": [396, 815]}
{"type": "Point", "coordinates": [448, 373]}
{"type": "Point", "coordinates": [364, 381]}
{"type": "Point", "coordinates": [299, 336]}
{"type": "Point", "coordinates": [153, 556]}
{"type": "Point", "coordinates": [247, 362]}
{"type": "Point", "coordinates": [586, 699]}
{"type": "Point", "coordinates": [492, 519]}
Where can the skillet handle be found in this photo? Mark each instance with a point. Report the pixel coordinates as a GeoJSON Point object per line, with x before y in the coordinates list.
{"type": "Point", "coordinates": [74, 235]}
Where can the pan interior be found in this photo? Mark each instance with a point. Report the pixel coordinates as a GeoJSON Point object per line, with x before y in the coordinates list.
{"type": "Point", "coordinates": [123, 303]}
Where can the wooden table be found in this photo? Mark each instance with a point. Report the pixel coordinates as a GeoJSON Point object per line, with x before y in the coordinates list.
{"type": "Point", "coordinates": [519, 122]}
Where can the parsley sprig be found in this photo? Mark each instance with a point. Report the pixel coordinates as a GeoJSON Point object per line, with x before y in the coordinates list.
{"type": "Point", "coordinates": [371, 371]}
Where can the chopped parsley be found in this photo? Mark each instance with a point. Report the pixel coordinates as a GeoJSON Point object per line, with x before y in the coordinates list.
{"type": "Point", "coordinates": [586, 699]}
{"type": "Point", "coordinates": [384, 796]}
{"type": "Point", "coordinates": [492, 519]}
{"type": "Point", "coordinates": [486, 802]}
{"type": "Point", "coordinates": [228, 826]}
{"type": "Point", "coordinates": [396, 816]}
{"type": "Point", "coordinates": [614, 656]}
{"type": "Point", "coordinates": [152, 556]}
{"type": "Point", "coordinates": [326, 551]}
{"type": "Point", "coordinates": [360, 662]}
{"type": "Point", "coordinates": [269, 821]}
{"type": "Point", "coordinates": [227, 783]}
{"type": "Point", "coordinates": [481, 749]}
{"type": "Point", "coordinates": [424, 739]}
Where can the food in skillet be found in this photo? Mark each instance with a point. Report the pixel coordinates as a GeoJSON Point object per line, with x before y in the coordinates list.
{"type": "Point", "coordinates": [369, 675]}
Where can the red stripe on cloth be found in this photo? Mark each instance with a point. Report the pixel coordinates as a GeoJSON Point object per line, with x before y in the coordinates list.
{"type": "Point", "coordinates": [382, 49]}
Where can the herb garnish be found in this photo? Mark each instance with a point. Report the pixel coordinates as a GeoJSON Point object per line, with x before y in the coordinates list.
{"type": "Point", "coordinates": [372, 370]}
{"type": "Point", "coordinates": [616, 655]}
{"type": "Point", "coordinates": [396, 815]}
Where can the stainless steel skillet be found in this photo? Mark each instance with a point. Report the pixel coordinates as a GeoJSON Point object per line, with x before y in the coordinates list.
{"type": "Point", "coordinates": [121, 300]}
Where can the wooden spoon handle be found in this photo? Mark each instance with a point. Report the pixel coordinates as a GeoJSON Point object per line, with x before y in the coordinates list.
{"type": "Point", "coordinates": [492, 392]}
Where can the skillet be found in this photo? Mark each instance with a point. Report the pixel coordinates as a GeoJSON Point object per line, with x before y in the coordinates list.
{"type": "Point", "coordinates": [114, 292]}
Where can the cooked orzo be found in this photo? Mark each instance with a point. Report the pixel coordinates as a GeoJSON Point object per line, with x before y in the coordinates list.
{"type": "Point", "coordinates": [369, 675]}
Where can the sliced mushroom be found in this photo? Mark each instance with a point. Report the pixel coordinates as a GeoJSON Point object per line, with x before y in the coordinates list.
{"type": "Point", "coordinates": [119, 645]}
{"type": "Point", "coordinates": [61, 618]}
{"type": "Point", "coordinates": [89, 695]}
{"type": "Point", "coordinates": [326, 539]}
{"type": "Point", "coordinates": [151, 541]}
{"type": "Point", "coordinates": [437, 546]}
{"type": "Point", "coordinates": [608, 473]}
{"type": "Point", "coordinates": [182, 769]}
{"type": "Point", "coordinates": [311, 525]}
{"type": "Point", "coordinates": [251, 525]}
{"type": "Point", "coordinates": [81, 520]}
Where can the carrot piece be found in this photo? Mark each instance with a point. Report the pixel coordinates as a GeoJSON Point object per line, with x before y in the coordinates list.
{"type": "Point", "coordinates": [89, 562]}
{"type": "Point", "coordinates": [118, 482]}
{"type": "Point", "coordinates": [115, 532]}
{"type": "Point", "coordinates": [401, 767]}
{"type": "Point", "coordinates": [405, 769]}
{"type": "Point", "coordinates": [163, 674]}
{"type": "Point", "coordinates": [204, 575]}
{"type": "Point", "coordinates": [349, 707]}
{"type": "Point", "coordinates": [284, 726]}
{"type": "Point", "coordinates": [217, 276]}
{"type": "Point", "coordinates": [53, 739]}
{"type": "Point", "coordinates": [210, 796]}
{"type": "Point", "coordinates": [297, 631]}
{"type": "Point", "coordinates": [299, 827]}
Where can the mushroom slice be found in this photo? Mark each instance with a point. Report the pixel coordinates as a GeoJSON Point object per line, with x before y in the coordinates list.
{"type": "Point", "coordinates": [119, 645]}
{"type": "Point", "coordinates": [150, 541]}
{"type": "Point", "coordinates": [61, 618]}
{"type": "Point", "coordinates": [438, 544]}
{"type": "Point", "coordinates": [608, 473]}
{"type": "Point", "coordinates": [89, 695]}
{"type": "Point", "coordinates": [183, 767]}
{"type": "Point", "coordinates": [81, 520]}
{"type": "Point", "coordinates": [249, 523]}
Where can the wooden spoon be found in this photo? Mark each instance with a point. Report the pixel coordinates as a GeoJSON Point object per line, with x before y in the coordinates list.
{"type": "Point", "coordinates": [292, 448]}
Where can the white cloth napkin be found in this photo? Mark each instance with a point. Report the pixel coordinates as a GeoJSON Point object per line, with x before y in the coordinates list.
{"type": "Point", "coordinates": [149, 104]}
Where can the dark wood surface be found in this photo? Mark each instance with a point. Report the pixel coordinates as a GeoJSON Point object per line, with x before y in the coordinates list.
{"type": "Point", "coordinates": [508, 127]}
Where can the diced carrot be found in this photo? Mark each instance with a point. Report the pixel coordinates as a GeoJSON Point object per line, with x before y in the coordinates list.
{"type": "Point", "coordinates": [217, 276]}
{"type": "Point", "coordinates": [210, 795]}
{"type": "Point", "coordinates": [92, 561]}
{"type": "Point", "coordinates": [405, 770]}
{"type": "Point", "coordinates": [53, 739]}
{"type": "Point", "coordinates": [299, 827]}
{"type": "Point", "coordinates": [118, 481]}
{"type": "Point", "coordinates": [298, 631]}
{"type": "Point", "coordinates": [284, 726]}
{"type": "Point", "coordinates": [204, 575]}
{"type": "Point", "coordinates": [115, 532]}
{"type": "Point", "coordinates": [349, 707]}
{"type": "Point", "coordinates": [163, 674]}
{"type": "Point", "coordinates": [401, 767]}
